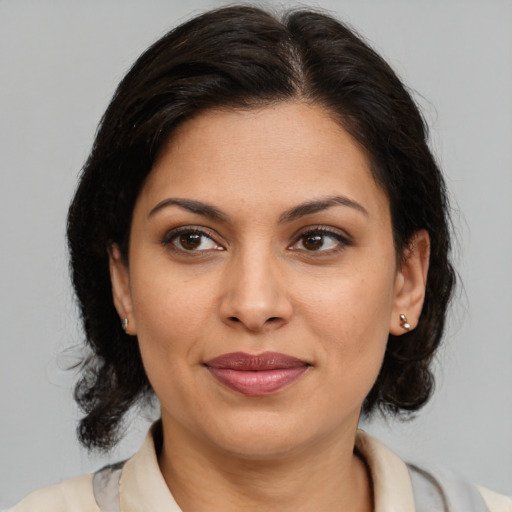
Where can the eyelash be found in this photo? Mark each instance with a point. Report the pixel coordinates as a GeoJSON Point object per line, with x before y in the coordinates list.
{"type": "Point", "coordinates": [342, 240]}
{"type": "Point", "coordinates": [173, 235]}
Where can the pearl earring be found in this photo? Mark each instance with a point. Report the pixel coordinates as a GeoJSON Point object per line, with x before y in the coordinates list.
{"type": "Point", "coordinates": [405, 323]}
{"type": "Point", "coordinates": [124, 324]}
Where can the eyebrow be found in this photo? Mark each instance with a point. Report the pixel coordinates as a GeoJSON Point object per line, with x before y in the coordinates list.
{"type": "Point", "coordinates": [192, 206]}
{"type": "Point", "coordinates": [290, 215]}
{"type": "Point", "coordinates": [317, 206]}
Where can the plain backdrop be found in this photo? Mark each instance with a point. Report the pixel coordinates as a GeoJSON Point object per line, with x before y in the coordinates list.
{"type": "Point", "coordinates": [60, 61]}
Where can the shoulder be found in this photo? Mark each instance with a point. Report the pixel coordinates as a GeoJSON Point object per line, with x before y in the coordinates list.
{"type": "Point", "coordinates": [138, 478]}
{"type": "Point", "coordinates": [443, 490]}
{"type": "Point", "coordinates": [496, 502]}
{"type": "Point", "coordinates": [73, 495]}
{"type": "Point", "coordinates": [422, 490]}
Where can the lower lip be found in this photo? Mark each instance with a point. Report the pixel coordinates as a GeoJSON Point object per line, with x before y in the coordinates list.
{"type": "Point", "coordinates": [257, 383]}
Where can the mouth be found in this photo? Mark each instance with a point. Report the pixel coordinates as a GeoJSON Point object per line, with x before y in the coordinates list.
{"type": "Point", "coordinates": [256, 375]}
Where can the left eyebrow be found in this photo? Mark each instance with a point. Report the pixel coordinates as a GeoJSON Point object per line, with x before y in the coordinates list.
{"type": "Point", "coordinates": [311, 207]}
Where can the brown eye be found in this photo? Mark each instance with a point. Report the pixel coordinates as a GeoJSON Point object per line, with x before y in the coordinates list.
{"type": "Point", "coordinates": [313, 243]}
{"type": "Point", "coordinates": [190, 241]}
{"type": "Point", "coordinates": [321, 240]}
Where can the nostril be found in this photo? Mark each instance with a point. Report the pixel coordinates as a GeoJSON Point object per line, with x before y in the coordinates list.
{"type": "Point", "coordinates": [234, 319]}
{"type": "Point", "coordinates": [273, 319]}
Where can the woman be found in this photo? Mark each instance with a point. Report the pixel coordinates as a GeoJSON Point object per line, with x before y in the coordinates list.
{"type": "Point", "coordinates": [259, 238]}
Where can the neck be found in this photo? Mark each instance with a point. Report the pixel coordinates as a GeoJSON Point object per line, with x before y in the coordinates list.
{"type": "Point", "coordinates": [326, 476]}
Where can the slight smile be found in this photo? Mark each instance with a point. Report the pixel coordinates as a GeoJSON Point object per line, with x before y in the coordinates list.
{"type": "Point", "coordinates": [256, 375]}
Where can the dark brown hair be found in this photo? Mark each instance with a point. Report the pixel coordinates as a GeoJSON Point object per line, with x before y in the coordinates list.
{"type": "Point", "coordinates": [242, 57]}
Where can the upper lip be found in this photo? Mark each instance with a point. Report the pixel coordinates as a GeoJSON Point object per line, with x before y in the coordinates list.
{"type": "Point", "coordinates": [258, 362]}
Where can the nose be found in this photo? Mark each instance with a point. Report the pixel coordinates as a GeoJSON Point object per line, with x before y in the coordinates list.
{"type": "Point", "coordinates": [255, 294]}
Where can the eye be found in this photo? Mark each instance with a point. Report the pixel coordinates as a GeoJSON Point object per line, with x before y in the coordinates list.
{"type": "Point", "coordinates": [190, 240]}
{"type": "Point", "coordinates": [320, 240]}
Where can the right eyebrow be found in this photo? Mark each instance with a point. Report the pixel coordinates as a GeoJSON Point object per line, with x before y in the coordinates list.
{"type": "Point", "coordinates": [197, 207]}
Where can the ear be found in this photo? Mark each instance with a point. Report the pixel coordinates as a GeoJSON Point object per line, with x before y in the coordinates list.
{"type": "Point", "coordinates": [120, 280]}
{"type": "Point", "coordinates": [410, 283]}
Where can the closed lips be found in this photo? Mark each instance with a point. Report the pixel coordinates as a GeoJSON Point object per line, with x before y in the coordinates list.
{"type": "Point", "coordinates": [256, 375]}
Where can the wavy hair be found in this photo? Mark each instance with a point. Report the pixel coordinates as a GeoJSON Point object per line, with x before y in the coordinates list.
{"type": "Point", "coordinates": [244, 57]}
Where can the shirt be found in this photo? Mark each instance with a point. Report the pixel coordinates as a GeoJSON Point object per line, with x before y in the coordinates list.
{"type": "Point", "coordinates": [138, 485]}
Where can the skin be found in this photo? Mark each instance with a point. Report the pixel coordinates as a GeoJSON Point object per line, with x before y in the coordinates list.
{"type": "Point", "coordinates": [254, 283]}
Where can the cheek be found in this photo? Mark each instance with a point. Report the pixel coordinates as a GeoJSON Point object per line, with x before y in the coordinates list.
{"type": "Point", "coordinates": [352, 304]}
{"type": "Point", "coordinates": [168, 328]}
{"type": "Point", "coordinates": [350, 318]}
{"type": "Point", "coordinates": [172, 315]}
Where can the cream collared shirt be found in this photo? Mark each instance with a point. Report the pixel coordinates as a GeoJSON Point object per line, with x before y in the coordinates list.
{"type": "Point", "coordinates": [142, 487]}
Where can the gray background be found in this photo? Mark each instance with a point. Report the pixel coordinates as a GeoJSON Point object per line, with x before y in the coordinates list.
{"type": "Point", "coordinates": [60, 61]}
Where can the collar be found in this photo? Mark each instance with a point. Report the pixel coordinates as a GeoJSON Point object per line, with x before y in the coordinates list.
{"type": "Point", "coordinates": [142, 486]}
{"type": "Point", "coordinates": [392, 489]}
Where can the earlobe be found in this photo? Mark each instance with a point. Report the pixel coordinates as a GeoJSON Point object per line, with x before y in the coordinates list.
{"type": "Point", "coordinates": [410, 284]}
{"type": "Point", "coordinates": [120, 280]}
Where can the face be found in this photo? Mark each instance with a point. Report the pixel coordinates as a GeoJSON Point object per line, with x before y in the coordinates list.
{"type": "Point", "coordinates": [262, 281]}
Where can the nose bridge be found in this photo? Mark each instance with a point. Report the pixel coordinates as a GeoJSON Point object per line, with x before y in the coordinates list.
{"type": "Point", "coordinates": [255, 293]}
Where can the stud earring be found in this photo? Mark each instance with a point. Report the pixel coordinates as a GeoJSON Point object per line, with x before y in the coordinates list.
{"type": "Point", "coordinates": [405, 323]}
{"type": "Point", "coordinates": [124, 324]}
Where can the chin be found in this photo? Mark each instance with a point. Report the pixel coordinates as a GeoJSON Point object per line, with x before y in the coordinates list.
{"type": "Point", "coordinates": [265, 437]}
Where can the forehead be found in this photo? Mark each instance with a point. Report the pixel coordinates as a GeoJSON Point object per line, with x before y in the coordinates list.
{"type": "Point", "coordinates": [280, 153]}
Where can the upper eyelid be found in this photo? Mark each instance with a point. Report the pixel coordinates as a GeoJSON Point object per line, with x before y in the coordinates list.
{"type": "Point", "coordinates": [192, 228]}
{"type": "Point", "coordinates": [342, 239]}
{"type": "Point", "coordinates": [213, 235]}
{"type": "Point", "coordinates": [326, 230]}
{"type": "Point", "coordinates": [174, 232]}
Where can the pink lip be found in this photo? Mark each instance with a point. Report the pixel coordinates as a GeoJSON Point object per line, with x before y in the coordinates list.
{"type": "Point", "coordinates": [256, 375]}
